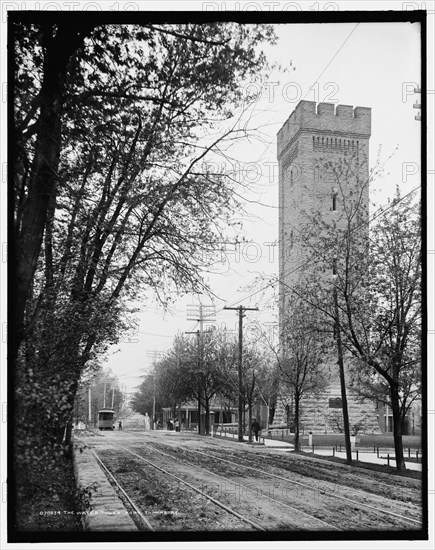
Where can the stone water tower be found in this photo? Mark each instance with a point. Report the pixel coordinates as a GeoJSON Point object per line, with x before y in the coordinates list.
{"type": "Point", "coordinates": [313, 137]}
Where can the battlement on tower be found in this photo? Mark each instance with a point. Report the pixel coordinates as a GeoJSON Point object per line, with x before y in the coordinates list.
{"type": "Point", "coordinates": [327, 119]}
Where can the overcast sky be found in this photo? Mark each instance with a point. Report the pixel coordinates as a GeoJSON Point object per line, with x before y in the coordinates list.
{"type": "Point", "coordinates": [369, 65]}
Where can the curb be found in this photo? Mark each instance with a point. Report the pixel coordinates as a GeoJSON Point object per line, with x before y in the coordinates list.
{"type": "Point", "coordinates": [105, 510]}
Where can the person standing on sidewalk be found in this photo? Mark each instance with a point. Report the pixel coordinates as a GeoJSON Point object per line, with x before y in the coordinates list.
{"type": "Point", "coordinates": [256, 428]}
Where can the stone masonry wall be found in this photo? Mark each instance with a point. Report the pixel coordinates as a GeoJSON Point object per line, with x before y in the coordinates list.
{"type": "Point", "coordinates": [325, 118]}
{"type": "Point", "coordinates": [312, 136]}
{"type": "Point", "coordinates": [316, 415]}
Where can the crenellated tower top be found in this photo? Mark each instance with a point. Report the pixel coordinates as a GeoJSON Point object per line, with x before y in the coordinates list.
{"type": "Point", "coordinates": [325, 119]}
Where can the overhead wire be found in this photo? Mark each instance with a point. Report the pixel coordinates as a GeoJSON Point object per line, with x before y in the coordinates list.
{"type": "Point", "coordinates": [285, 274]}
{"type": "Point", "coordinates": [379, 213]}
{"type": "Point", "coordinates": [272, 142]}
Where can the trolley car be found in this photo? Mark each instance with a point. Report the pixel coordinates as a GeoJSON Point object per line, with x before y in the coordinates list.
{"type": "Point", "coordinates": [106, 419]}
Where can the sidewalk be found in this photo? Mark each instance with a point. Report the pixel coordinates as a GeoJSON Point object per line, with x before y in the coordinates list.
{"type": "Point", "coordinates": [363, 456]}
{"type": "Point", "coordinates": [105, 511]}
{"type": "Point", "coordinates": [271, 443]}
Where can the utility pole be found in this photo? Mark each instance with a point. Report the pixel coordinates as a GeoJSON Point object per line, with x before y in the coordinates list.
{"type": "Point", "coordinates": [241, 312]}
{"type": "Point", "coordinates": [201, 314]}
{"type": "Point", "coordinates": [198, 359]}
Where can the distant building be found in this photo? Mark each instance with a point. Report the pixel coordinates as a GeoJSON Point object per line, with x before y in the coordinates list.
{"type": "Point", "coordinates": [189, 414]}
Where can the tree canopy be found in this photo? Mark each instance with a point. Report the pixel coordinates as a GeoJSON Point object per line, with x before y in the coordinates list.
{"type": "Point", "coordinates": [112, 196]}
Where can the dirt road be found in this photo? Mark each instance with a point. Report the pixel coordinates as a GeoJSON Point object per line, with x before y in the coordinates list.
{"type": "Point", "coordinates": [180, 481]}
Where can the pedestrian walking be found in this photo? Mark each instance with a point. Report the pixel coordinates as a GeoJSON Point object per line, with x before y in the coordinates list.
{"type": "Point", "coordinates": [256, 428]}
{"type": "Point", "coordinates": [120, 425]}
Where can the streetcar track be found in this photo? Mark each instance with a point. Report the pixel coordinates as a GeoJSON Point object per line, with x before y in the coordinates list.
{"type": "Point", "coordinates": [412, 520]}
{"type": "Point", "coordinates": [356, 471]}
{"type": "Point", "coordinates": [129, 500]}
{"type": "Point", "coordinates": [281, 503]}
{"type": "Point", "coordinates": [310, 487]}
{"type": "Point", "coordinates": [256, 526]}
{"type": "Point", "coordinates": [311, 517]}
{"type": "Point", "coordinates": [324, 465]}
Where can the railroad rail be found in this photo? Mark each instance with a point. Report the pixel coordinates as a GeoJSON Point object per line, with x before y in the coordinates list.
{"type": "Point", "coordinates": [217, 502]}
{"type": "Point", "coordinates": [126, 496]}
{"type": "Point", "coordinates": [255, 525]}
{"type": "Point", "coordinates": [370, 507]}
{"type": "Point", "coordinates": [355, 470]}
{"type": "Point", "coordinates": [373, 511]}
{"type": "Point", "coordinates": [256, 469]}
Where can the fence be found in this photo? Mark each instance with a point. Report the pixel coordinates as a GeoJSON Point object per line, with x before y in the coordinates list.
{"type": "Point", "coordinates": [365, 453]}
{"type": "Point", "coordinates": [232, 433]}
{"type": "Point", "coordinates": [385, 453]}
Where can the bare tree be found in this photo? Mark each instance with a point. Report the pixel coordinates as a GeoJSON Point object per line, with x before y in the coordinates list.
{"type": "Point", "coordinates": [366, 284]}
{"type": "Point", "coordinates": [302, 361]}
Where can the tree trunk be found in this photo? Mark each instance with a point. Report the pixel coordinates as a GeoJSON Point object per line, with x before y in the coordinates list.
{"type": "Point", "coordinates": [59, 43]}
{"type": "Point", "coordinates": [68, 434]}
{"type": "Point", "coordinates": [199, 412]}
{"type": "Point", "coordinates": [207, 416]}
{"type": "Point", "coordinates": [179, 416]}
{"type": "Point", "coordinates": [271, 414]}
{"type": "Point", "coordinates": [342, 381]}
{"type": "Point", "coordinates": [297, 405]}
{"type": "Point", "coordinates": [397, 428]}
{"type": "Point", "coordinates": [250, 420]}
